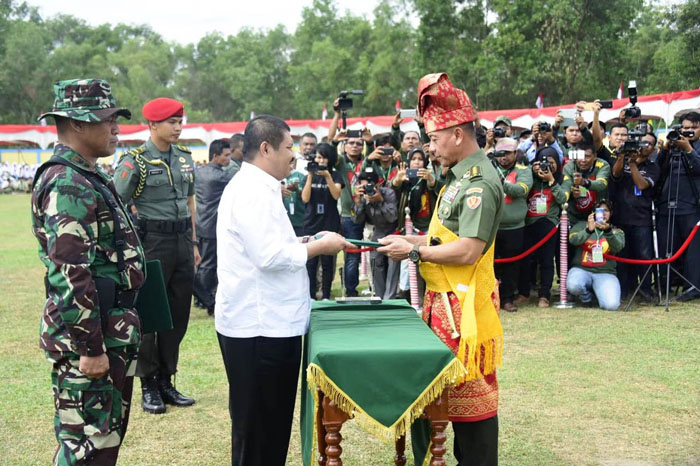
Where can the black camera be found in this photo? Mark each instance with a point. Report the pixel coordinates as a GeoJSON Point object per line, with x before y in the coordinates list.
{"type": "Point", "coordinates": [544, 127]}
{"type": "Point", "coordinates": [312, 166]}
{"type": "Point", "coordinates": [370, 189]}
{"type": "Point", "coordinates": [412, 173]}
{"type": "Point", "coordinates": [499, 132]}
{"type": "Point", "coordinates": [344, 102]}
{"type": "Point", "coordinates": [634, 141]}
{"type": "Point", "coordinates": [633, 111]}
{"type": "Point", "coordinates": [387, 150]}
{"type": "Point", "coordinates": [545, 166]}
{"type": "Point", "coordinates": [677, 132]}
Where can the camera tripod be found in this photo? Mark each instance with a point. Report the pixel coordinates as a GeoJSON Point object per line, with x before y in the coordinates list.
{"type": "Point", "coordinates": [676, 159]}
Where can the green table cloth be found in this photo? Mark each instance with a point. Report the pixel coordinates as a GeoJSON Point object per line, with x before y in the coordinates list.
{"type": "Point", "coordinates": [379, 363]}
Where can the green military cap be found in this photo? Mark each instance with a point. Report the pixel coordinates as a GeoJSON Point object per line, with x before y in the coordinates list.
{"type": "Point", "coordinates": [88, 100]}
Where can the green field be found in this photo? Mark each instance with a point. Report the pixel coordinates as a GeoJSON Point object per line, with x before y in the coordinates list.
{"type": "Point", "coordinates": [578, 387]}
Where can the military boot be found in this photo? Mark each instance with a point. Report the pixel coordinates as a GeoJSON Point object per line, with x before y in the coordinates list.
{"type": "Point", "coordinates": [151, 401]}
{"type": "Point", "coordinates": [170, 395]}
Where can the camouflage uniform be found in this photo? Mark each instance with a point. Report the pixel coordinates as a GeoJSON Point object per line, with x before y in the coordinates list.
{"type": "Point", "coordinates": [74, 226]}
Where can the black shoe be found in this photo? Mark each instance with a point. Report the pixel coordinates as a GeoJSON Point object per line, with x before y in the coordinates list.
{"type": "Point", "coordinates": [171, 396]}
{"type": "Point", "coordinates": [646, 298]}
{"type": "Point", "coordinates": [587, 304]}
{"type": "Point", "coordinates": [210, 311]}
{"type": "Point", "coordinates": [151, 401]}
{"type": "Point", "coordinates": [351, 294]}
{"type": "Point", "coordinates": [688, 295]}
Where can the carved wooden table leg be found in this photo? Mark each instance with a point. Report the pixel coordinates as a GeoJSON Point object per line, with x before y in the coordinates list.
{"type": "Point", "coordinates": [333, 419]}
{"type": "Point", "coordinates": [439, 418]}
{"type": "Point", "coordinates": [321, 430]}
{"type": "Point", "coordinates": [400, 458]}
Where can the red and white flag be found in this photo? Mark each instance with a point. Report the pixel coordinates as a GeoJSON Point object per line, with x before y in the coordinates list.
{"type": "Point", "coordinates": [184, 118]}
{"type": "Point", "coordinates": [252, 114]}
{"type": "Point", "coordinates": [324, 113]}
{"type": "Point", "coordinates": [398, 105]}
{"type": "Point", "coordinates": [540, 101]}
{"type": "Point", "coordinates": [619, 91]}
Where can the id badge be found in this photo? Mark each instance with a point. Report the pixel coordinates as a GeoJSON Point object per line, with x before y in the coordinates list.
{"type": "Point", "coordinates": [637, 191]}
{"type": "Point", "coordinates": [597, 252]}
{"type": "Point", "coordinates": [291, 208]}
{"type": "Point", "coordinates": [541, 205]}
{"type": "Point", "coordinates": [320, 209]}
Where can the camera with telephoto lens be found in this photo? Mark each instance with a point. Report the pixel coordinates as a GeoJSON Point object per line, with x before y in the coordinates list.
{"type": "Point", "coordinates": [633, 111]}
{"type": "Point", "coordinates": [499, 132]}
{"type": "Point", "coordinates": [544, 127]}
{"type": "Point", "coordinates": [370, 189]}
{"type": "Point", "coordinates": [312, 166]}
{"type": "Point", "coordinates": [344, 102]}
{"type": "Point", "coordinates": [677, 132]}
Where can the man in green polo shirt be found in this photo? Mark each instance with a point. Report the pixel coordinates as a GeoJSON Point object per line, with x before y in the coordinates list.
{"type": "Point", "coordinates": [456, 261]}
{"type": "Point", "coordinates": [158, 178]}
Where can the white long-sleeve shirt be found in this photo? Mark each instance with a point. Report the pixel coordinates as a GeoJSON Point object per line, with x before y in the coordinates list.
{"type": "Point", "coordinates": [263, 284]}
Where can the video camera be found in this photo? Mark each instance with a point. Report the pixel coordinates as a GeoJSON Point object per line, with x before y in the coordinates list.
{"type": "Point", "coordinates": [632, 112]}
{"type": "Point", "coordinates": [634, 141]}
{"type": "Point", "coordinates": [312, 166]}
{"type": "Point", "coordinates": [677, 132]}
{"type": "Point", "coordinates": [344, 102]}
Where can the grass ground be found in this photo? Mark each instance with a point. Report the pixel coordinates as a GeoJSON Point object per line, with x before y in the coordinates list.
{"type": "Point", "coordinates": [578, 387]}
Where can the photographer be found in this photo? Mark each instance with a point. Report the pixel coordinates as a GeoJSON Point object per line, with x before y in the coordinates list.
{"type": "Point", "coordinates": [517, 181]}
{"type": "Point", "coordinates": [320, 194]}
{"type": "Point", "coordinates": [349, 165]}
{"type": "Point", "coordinates": [415, 186]}
{"type": "Point", "coordinates": [384, 160]}
{"type": "Point", "coordinates": [679, 160]}
{"type": "Point", "coordinates": [376, 205]}
{"type": "Point", "coordinates": [591, 274]}
{"type": "Point", "coordinates": [586, 179]}
{"type": "Point", "coordinates": [574, 134]}
{"type": "Point", "coordinates": [291, 196]}
{"type": "Point", "coordinates": [542, 136]}
{"type": "Point", "coordinates": [406, 142]}
{"type": "Point", "coordinates": [543, 209]}
{"type": "Point", "coordinates": [502, 128]}
{"type": "Point", "coordinates": [633, 180]}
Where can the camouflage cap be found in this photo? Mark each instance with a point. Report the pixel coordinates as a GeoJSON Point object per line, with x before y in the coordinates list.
{"type": "Point", "coordinates": [88, 100]}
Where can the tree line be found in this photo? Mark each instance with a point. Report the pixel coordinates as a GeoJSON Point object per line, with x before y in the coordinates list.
{"type": "Point", "coordinates": [503, 53]}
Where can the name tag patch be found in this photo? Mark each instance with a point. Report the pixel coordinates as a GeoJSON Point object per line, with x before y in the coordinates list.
{"type": "Point", "coordinates": [158, 171]}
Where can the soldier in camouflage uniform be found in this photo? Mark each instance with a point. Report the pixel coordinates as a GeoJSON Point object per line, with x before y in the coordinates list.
{"type": "Point", "coordinates": [158, 178]}
{"type": "Point", "coordinates": [95, 265]}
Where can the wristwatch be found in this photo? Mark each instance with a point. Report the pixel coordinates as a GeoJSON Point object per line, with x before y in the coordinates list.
{"type": "Point", "coordinates": [414, 254]}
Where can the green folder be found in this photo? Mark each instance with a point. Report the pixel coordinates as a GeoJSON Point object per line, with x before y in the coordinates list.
{"type": "Point", "coordinates": [152, 302]}
{"type": "Point", "coordinates": [364, 244]}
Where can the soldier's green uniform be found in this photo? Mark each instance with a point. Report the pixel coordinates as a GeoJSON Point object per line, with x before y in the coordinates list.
{"type": "Point", "coordinates": [516, 186]}
{"type": "Point", "coordinates": [159, 185]}
{"type": "Point", "coordinates": [472, 202]}
{"type": "Point", "coordinates": [91, 284]}
{"type": "Point", "coordinates": [597, 176]}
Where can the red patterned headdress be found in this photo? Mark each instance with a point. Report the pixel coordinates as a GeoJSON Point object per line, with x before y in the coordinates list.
{"type": "Point", "coordinates": [441, 104]}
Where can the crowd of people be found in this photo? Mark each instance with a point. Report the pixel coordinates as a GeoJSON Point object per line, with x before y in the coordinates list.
{"type": "Point", "coordinates": [613, 181]}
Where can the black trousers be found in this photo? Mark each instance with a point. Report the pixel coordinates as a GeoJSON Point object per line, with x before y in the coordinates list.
{"type": "Point", "coordinates": [262, 378]}
{"type": "Point", "coordinates": [159, 351]}
{"type": "Point", "coordinates": [475, 443]}
{"type": "Point", "coordinates": [683, 225]}
{"type": "Point", "coordinates": [542, 258]}
{"type": "Point", "coordinates": [639, 244]}
{"type": "Point", "coordinates": [509, 243]}
{"type": "Point", "coordinates": [327, 274]}
{"type": "Point", "coordinates": [205, 279]}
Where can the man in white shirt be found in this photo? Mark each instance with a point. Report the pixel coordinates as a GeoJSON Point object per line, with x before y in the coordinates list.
{"type": "Point", "coordinates": [262, 302]}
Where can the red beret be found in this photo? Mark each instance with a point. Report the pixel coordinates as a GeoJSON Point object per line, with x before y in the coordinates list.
{"type": "Point", "coordinates": [441, 104]}
{"type": "Point", "coordinates": [162, 108]}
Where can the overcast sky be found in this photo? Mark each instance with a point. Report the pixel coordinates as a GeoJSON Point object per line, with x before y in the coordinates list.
{"type": "Point", "coordinates": [191, 21]}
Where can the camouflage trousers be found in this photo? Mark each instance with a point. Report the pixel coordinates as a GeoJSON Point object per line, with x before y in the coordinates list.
{"type": "Point", "coordinates": [91, 413]}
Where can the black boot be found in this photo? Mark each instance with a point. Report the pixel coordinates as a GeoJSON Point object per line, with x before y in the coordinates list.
{"type": "Point", "coordinates": [151, 401]}
{"type": "Point", "coordinates": [170, 395]}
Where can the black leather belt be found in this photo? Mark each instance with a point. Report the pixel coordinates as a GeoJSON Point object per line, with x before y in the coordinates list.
{"type": "Point", "coordinates": [165, 226]}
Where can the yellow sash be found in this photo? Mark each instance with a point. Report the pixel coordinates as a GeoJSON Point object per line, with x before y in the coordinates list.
{"type": "Point", "coordinates": [481, 333]}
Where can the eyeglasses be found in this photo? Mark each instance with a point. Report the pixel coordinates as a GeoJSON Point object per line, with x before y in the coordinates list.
{"type": "Point", "coordinates": [354, 143]}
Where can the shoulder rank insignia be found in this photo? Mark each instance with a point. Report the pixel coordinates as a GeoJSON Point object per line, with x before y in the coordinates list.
{"type": "Point", "coordinates": [184, 148]}
{"type": "Point", "coordinates": [475, 172]}
{"type": "Point", "coordinates": [133, 152]}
